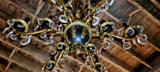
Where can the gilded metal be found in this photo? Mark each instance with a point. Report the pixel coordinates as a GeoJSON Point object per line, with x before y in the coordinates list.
{"type": "Point", "coordinates": [127, 30]}
{"type": "Point", "coordinates": [125, 38]}
{"type": "Point", "coordinates": [84, 32]}
{"type": "Point", "coordinates": [37, 32]}
{"type": "Point", "coordinates": [108, 23]}
{"type": "Point", "coordinates": [78, 23]}
{"type": "Point", "coordinates": [23, 22]}
{"type": "Point", "coordinates": [51, 22]}
{"type": "Point", "coordinates": [73, 31]}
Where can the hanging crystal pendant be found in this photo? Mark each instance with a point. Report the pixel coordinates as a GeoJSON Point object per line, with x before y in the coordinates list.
{"type": "Point", "coordinates": [110, 38]}
{"type": "Point", "coordinates": [13, 36]}
{"type": "Point", "coordinates": [6, 29]}
{"type": "Point", "coordinates": [127, 45]}
{"type": "Point", "coordinates": [95, 20]}
{"type": "Point", "coordinates": [43, 68]}
{"type": "Point", "coordinates": [62, 62]}
{"type": "Point", "coordinates": [36, 27]}
{"type": "Point", "coordinates": [63, 19]}
{"type": "Point", "coordinates": [142, 39]}
{"type": "Point", "coordinates": [94, 70]}
{"type": "Point", "coordinates": [10, 22]}
{"type": "Point", "coordinates": [60, 27]}
{"type": "Point", "coordinates": [85, 56]}
{"type": "Point", "coordinates": [140, 29]}
{"type": "Point", "coordinates": [49, 66]}
{"type": "Point", "coordinates": [24, 36]}
{"type": "Point", "coordinates": [106, 45]}
{"type": "Point", "coordinates": [8, 35]}
{"type": "Point", "coordinates": [102, 68]}
{"type": "Point", "coordinates": [56, 57]}
{"type": "Point", "coordinates": [117, 32]}
{"type": "Point", "coordinates": [50, 41]}
{"type": "Point", "coordinates": [134, 42]}
{"type": "Point", "coordinates": [54, 70]}
{"type": "Point", "coordinates": [65, 57]}
{"type": "Point", "coordinates": [43, 35]}
{"type": "Point", "coordinates": [88, 63]}
{"type": "Point", "coordinates": [54, 52]}
{"type": "Point", "coordinates": [25, 41]}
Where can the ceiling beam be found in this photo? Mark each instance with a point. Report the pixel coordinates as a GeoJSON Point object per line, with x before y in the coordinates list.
{"type": "Point", "coordinates": [108, 59]}
{"type": "Point", "coordinates": [24, 10]}
{"type": "Point", "coordinates": [135, 55]}
{"type": "Point", "coordinates": [145, 12]}
{"type": "Point", "coordinates": [156, 3]}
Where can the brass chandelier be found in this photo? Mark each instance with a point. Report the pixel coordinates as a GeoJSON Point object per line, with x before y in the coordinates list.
{"type": "Point", "coordinates": [76, 22]}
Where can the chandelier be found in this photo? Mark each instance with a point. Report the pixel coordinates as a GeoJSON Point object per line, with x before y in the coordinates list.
{"type": "Point", "coordinates": [77, 23]}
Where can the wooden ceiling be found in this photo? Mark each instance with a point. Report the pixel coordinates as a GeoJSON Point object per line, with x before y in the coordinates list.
{"type": "Point", "coordinates": [134, 12]}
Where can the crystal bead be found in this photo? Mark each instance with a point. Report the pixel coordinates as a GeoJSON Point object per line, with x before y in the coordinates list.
{"type": "Point", "coordinates": [65, 57]}
{"type": "Point", "coordinates": [94, 70]}
{"type": "Point", "coordinates": [63, 19]}
{"type": "Point", "coordinates": [25, 41]}
{"type": "Point", "coordinates": [117, 32]}
{"type": "Point", "coordinates": [56, 58]}
{"type": "Point", "coordinates": [88, 63]}
{"type": "Point", "coordinates": [6, 29]}
{"type": "Point", "coordinates": [13, 36]}
{"type": "Point", "coordinates": [62, 62]}
{"type": "Point", "coordinates": [110, 38]}
{"type": "Point", "coordinates": [54, 52]}
{"type": "Point", "coordinates": [10, 22]}
{"type": "Point", "coordinates": [11, 32]}
{"type": "Point", "coordinates": [54, 1]}
{"type": "Point", "coordinates": [85, 56]}
{"type": "Point", "coordinates": [24, 36]}
{"type": "Point", "coordinates": [142, 39]}
{"type": "Point", "coordinates": [49, 66]}
{"type": "Point", "coordinates": [95, 21]}
{"type": "Point", "coordinates": [50, 41]}
{"type": "Point", "coordinates": [43, 35]}
{"type": "Point", "coordinates": [127, 45]}
{"type": "Point", "coordinates": [59, 27]}
{"type": "Point", "coordinates": [140, 28]}
{"type": "Point", "coordinates": [43, 68]}
{"type": "Point", "coordinates": [55, 70]}
{"type": "Point", "coordinates": [105, 70]}
{"type": "Point", "coordinates": [106, 45]}
{"type": "Point", "coordinates": [134, 42]}
{"type": "Point", "coordinates": [36, 27]}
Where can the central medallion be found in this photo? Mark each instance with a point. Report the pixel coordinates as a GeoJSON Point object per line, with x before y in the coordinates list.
{"type": "Point", "coordinates": [78, 32]}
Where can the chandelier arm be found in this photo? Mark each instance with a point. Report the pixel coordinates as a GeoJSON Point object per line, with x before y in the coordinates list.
{"type": "Point", "coordinates": [93, 11]}
{"type": "Point", "coordinates": [65, 10]}
{"type": "Point", "coordinates": [63, 51]}
{"type": "Point", "coordinates": [90, 58]}
{"type": "Point", "coordinates": [125, 38]}
{"type": "Point", "coordinates": [96, 35]}
{"type": "Point", "coordinates": [57, 33]}
{"type": "Point", "coordinates": [37, 32]}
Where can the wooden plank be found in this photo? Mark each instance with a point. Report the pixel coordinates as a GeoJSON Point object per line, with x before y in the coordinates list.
{"type": "Point", "coordinates": [145, 12]}
{"type": "Point", "coordinates": [136, 56]}
{"type": "Point", "coordinates": [5, 43]}
{"type": "Point", "coordinates": [106, 58]}
{"type": "Point", "coordinates": [8, 1]}
{"type": "Point", "coordinates": [37, 11]}
{"type": "Point", "coordinates": [16, 62]}
{"type": "Point", "coordinates": [156, 3]}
